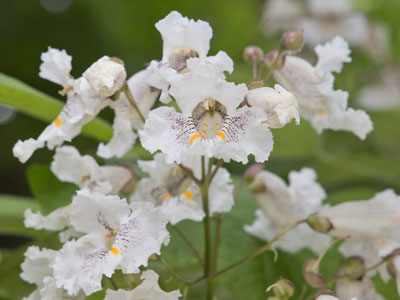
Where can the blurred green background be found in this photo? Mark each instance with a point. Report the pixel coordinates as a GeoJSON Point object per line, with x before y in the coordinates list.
{"type": "Point", "coordinates": [348, 168]}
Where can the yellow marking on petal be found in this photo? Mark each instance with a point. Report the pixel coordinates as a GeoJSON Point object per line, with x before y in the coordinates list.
{"type": "Point", "coordinates": [114, 251]}
{"type": "Point", "coordinates": [204, 131]}
{"type": "Point", "coordinates": [188, 194]}
{"type": "Point", "coordinates": [217, 124]}
{"type": "Point", "coordinates": [383, 241]}
{"type": "Point", "coordinates": [321, 113]}
{"type": "Point", "coordinates": [221, 135]}
{"type": "Point", "coordinates": [69, 204]}
{"type": "Point", "coordinates": [57, 122]}
{"type": "Point", "coordinates": [195, 137]}
{"type": "Point", "coordinates": [165, 197]}
{"type": "Point", "coordinates": [205, 124]}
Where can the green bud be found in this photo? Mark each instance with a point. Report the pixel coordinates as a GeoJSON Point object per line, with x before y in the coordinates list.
{"type": "Point", "coordinates": [292, 40]}
{"type": "Point", "coordinates": [319, 223]}
{"type": "Point", "coordinates": [274, 60]}
{"type": "Point", "coordinates": [283, 289]}
{"type": "Point", "coordinates": [353, 267]}
{"type": "Point", "coordinates": [311, 273]}
{"type": "Point", "coordinates": [252, 171]}
{"type": "Point", "coordinates": [252, 54]}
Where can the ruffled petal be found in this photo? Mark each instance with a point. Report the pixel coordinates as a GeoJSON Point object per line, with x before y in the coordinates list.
{"type": "Point", "coordinates": [56, 67]}
{"type": "Point", "coordinates": [56, 220]}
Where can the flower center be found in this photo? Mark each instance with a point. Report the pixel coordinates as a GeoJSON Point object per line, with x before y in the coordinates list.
{"type": "Point", "coordinates": [208, 117]}
{"type": "Point", "coordinates": [178, 58]}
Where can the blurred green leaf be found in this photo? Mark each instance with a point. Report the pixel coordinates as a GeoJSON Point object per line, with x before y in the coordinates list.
{"type": "Point", "coordinates": [43, 107]}
{"type": "Point", "coordinates": [48, 190]}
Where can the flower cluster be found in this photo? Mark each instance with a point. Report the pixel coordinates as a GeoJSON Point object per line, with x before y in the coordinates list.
{"type": "Point", "coordinates": [117, 220]}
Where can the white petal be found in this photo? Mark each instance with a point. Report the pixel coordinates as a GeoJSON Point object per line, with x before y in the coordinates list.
{"type": "Point", "coordinates": [56, 67]}
{"type": "Point", "coordinates": [180, 32]}
{"type": "Point", "coordinates": [362, 289]}
{"type": "Point", "coordinates": [36, 265]}
{"type": "Point", "coordinates": [148, 289]}
{"type": "Point", "coordinates": [218, 64]}
{"type": "Point", "coordinates": [95, 212]}
{"type": "Point", "coordinates": [23, 150]}
{"type": "Point", "coordinates": [221, 192]}
{"type": "Point", "coordinates": [56, 220]}
{"type": "Point", "coordinates": [106, 76]}
{"type": "Point", "coordinates": [332, 56]}
{"type": "Point", "coordinates": [280, 105]}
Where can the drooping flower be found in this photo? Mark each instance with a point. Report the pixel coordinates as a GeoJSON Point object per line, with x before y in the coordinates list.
{"type": "Point", "coordinates": [177, 195]}
{"type": "Point", "coordinates": [280, 105]}
{"type": "Point", "coordinates": [282, 205]}
{"type": "Point", "coordinates": [182, 39]}
{"type": "Point", "coordinates": [148, 289]}
{"type": "Point", "coordinates": [86, 96]}
{"type": "Point", "coordinates": [36, 269]}
{"type": "Point", "coordinates": [319, 103]}
{"type": "Point", "coordinates": [118, 236]}
{"type": "Point", "coordinates": [373, 226]}
{"type": "Point", "coordinates": [210, 123]}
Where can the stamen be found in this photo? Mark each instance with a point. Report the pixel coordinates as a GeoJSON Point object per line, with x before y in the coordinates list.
{"type": "Point", "coordinates": [57, 122]}
{"type": "Point", "coordinates": [165, 197]}
{"type": "Point", "coordinates": [221, 135]}
{"type": "Point", "coordinates": [188, 194]}
{"type": "Point", "coordinates": [195, 137]}
{"type": "Point", "coordinates": [114, 251]}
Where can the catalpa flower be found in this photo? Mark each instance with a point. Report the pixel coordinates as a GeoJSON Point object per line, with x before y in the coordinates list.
{"type": "Point", "coordinates": [373, 225]}
{"type": "Point", "coordinates": [36, 269]}
{"type": "Point", "coordinates": [148, 289]}
{"type": "Point", "coordinates": [362, 288]}
{"type": "Point", "coordinates": [319, 103]}
{"type": "Point", "coordinates": [86, 96]}
{"type": "Point", "coordinates": [118, 236]}
{"type": "Point", "coordinates": [126, 119]}
{"type": "Point", "coordinates": [280, 105]}
{"type": "Point", "coordinates": [329, 297]}
{"type": "Point", "coordinates": [282, 205]}
{"type": "Point", "coordinates": [182, 39]}
{"type": "Point", "coordinates": [210, 123]}
{"type": "Point", "coordinates": [177, 195]}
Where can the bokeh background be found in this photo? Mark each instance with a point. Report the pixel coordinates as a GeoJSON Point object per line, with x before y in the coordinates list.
{"type": "Point", "coordinates": [349, 169]}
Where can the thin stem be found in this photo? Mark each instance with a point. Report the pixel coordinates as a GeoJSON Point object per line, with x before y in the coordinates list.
{"type": "Point", "coordinates": [171, 270]}
{"type": "Point", "coordinates": [271, 69]}
{"type": "Point", "coordinates": [218, 220]}
{"type": "Point", "coordinates": [214, 172]}
{"type": "Point", "coordinates": [189, 243]}
{"type": "Point", "coordinates": [260, 70]}
{"type": "Point", "coordinates": [113, 283]}
{"type": "Point", "coordinates": [189, 173]}
{"type": "Point", "coordinates": [238, 189]}
{"type": "Point", "coordinates": [261, 250]}
{"type": "Point", "coordinates": [254, 66]}
{"type": "Point", "coordinates": [133, 102]}
{"type": "Point", "coordinates": [303, 291]}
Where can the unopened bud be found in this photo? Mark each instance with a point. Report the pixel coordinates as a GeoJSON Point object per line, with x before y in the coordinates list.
{"type": "Point", "coordinates": [353, 267]}
{"type": "Point", "coordinates": [252, 171]}
{"type": "Point", "coordinates": [390, 264]}
{"type": "Point", "coordinates": [130, 186]}
{"type": "Point", "coordinates": [292, 40]}
{"type": "Point", "coordinates": [311, 273]}
{"type": "Point", "coordinates": [283, 289]}
{"type": "Point", "coordinates": [323, 292]}
{"type": "Point", "coordinates": [274, 60]}
{"type": "Point", "coordinates": [319, 223]}
{"type": "Point", "coordinates": [252, 54]}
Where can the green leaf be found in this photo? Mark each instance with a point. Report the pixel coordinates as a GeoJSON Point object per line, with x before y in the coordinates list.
{"type": "Point", "coordinates": [48, 190]}
{"type": "Point", "coordinates": [43, 107]}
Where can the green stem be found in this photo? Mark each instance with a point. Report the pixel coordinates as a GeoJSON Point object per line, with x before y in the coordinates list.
{"type": "Point", "coordinates": [189, 243]}
{"type": "Point", "coordinates": [261, 250]}
{"type": "Point", "coordinates": [113, 283]}
{"type": "Point", "coordinates": [189, 174]}
{"type": "Point", "coordinates": [218, 220]}
{"type": "Point", "coordinates": [133, 102]}
{"type": "Point", "coordinates": [171, 270]}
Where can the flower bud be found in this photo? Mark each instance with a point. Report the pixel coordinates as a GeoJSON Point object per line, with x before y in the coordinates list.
{"type": "Point", "coordinates": [252, 171]}
{"type": "Point", "coordinates": [283, 289]}
{"type": "Point", "coordinates": [252, 54]}
{"type": "Point", "coordinates": [256, 186]}
{"type": "Point", "coordinates": [319, 223]}
{"type": "Point", "coordinates": [274, 60]}
{"type": "Point", "coordinates": [353, 267]}
{"type": "Point", "coordinates": [310, 273]}
{"type": "Point", "coordinates": [292, 40]}
{"type": "Point", "coordinates": [130, 186]}
{"type": "Point", "coordinates": [323, 292]}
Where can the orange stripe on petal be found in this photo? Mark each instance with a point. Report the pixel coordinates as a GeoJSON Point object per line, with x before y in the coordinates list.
{"type": "Point", "coordinates": [188, 194]}
{"type": "Point", "coordinates": [57, 122]}
{"type": "Point", "coordinates": [195, 137]}
{"type": "Point", "coordinates": [114, 251]}
{"type": "Point", "coordinates": [166, 196]}
{"type": "Point", "coordinates": [221, 135]}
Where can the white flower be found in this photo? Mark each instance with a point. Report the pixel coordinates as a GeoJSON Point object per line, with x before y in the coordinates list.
{"type": "Point", "coordinates": [147, 290]}
{"type": "Point", "coordinates": [362, 289]}
{"type": "Point", "coordinates": [209, 124]}
{"type": "Point", "coordinates": [384, 94]}
{"type": "Point", "coordinates": [126, 119]}
{"type": "Point", "coordinates": [68, 165]}
{"type": "Point", "coordinates": [86, 96]}
{"type": "Point", "coordinates": [373, 225]}
{"type": "Point", "coordinates": [282, 205]}
{"type": "Point", "coordinates": [118, 236]}
{"type": "Point", "coordinates": [329, 297]}
{"type": "Point", "coordinates": [280, 105]}
{"type": "Point", "coordinates": [177, 195]}
{"type": "Point", "coordinates": [319, 103]}
{"type": "Point", "coordinates": [36, 270]}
